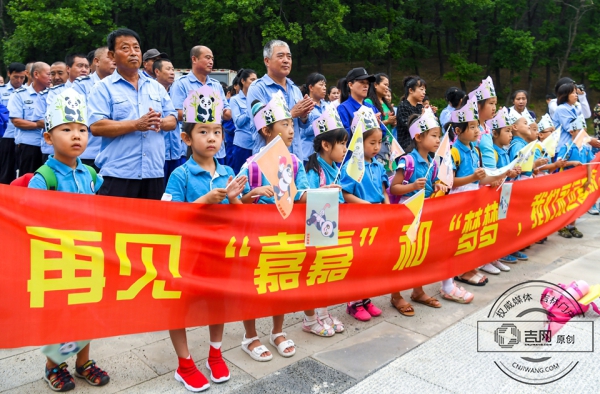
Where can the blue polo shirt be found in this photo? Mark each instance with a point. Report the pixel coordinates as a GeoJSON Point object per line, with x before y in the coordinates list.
{"type": "Point", "coordinates": [77, 180]}
{"type": "Point", "coordinates": [583, 156]}
{"type": "Point", "coordinates": [421, 167]}
{"type": "Point", "coordinates": [307, 134]}
{"type": "Point", "coordinates": [445, 115]}
{"type": "Point", "coordinates": [136, 155]}
{"type": "Point", "coordinates": [486, 147]}
{"type": "Point", "coordinates": [21, 105]}
{"type": "Point", "coordinates": [330, 172]}
{"type": "Point", "coordinates": [370, 188]}
{"type": "Point", "coordinates": [300, 180]}
{"type": "Point", "coordinates": [502, 158]}
{"type": "Point", "coordinates": [262, 90]}
{"type": "Point", "coordinates": [184, 85]}
{"type": "Point", "coordinates": [243, 122]}
{"type": "Point", "coordinates": [346, 111]}
{"type": "Point", "coordinates": [83, 86]}
{"type": "Point", "coordinates": [190, 181]}
{"type": "Point", "coordinates": [5, 92]}
{"type": "Point", "coordinates": [564, 115]}
{"type": "Point", "coordinates": [469, 159]}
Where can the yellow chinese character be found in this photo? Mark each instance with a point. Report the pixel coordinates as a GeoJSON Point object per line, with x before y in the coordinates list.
{"type": "Point", "coordinates": [572, 197]}
{"type": "Point", "coordinates": [413, 254]}
{"type": "Point", "coordinates": [562, 203]}
{"type": "Point", "coordinates": [491, 213]}
{"type": "Point", "coordinates": [488, 235]}
{"type": "Point", "coordinates": [472, 221]}
{"type": "Point", "coordinates": [332, 262]}
{"type": "Point", "coordinates": [158, 287]}
{"type": "Point", "coordinates": [537, 214]}
{"type": "Point", "coordinates": [279, 263]}
{"type": "Point", "coordinates": [552, 195]}
{"type": "Point", "coordinates": [68, 259]}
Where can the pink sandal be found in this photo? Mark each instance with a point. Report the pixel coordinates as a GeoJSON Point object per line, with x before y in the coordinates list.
{"type": "Point", "coordinates": [457, 294]}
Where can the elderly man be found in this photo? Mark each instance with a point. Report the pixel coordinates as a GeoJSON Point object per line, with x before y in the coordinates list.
{"type": "Point", "coordinates": [278, 60]}
{"type": "Point", "coordinates": [128, 110]}
{"type": "Point", "coordinates": [202, 64]}
{"type": "Point", "coordinates": [103, 67]}
{"type": "Point", "coordinates": [8, 165]}
{"type": "Point", "coordinates": [149, 58]}
{"type": "Point", "coordinates": [21, 106]}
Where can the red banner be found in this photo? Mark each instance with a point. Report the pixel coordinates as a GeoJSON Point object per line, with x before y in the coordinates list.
{"type": "Point", "coordinates": [79, 267]}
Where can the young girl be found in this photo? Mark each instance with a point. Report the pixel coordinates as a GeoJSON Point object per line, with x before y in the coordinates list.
{"type": "Point", "coordinates": [202, 180]}
{"type": "Point", "coordinates": [453, 97]}
{"type": "Point", "coordinates": [330, 148]}
{"type": "Point", "coordinates": [414, 94]}
{"type": "Point", "coordinates": [371, 190]}
{"type": "Point", "coordinates": [501, 135]}
{"type": "Point", "coordinates": [69, 140]}
{"type": "Point", "coordinates": [242, 140]}
{"type": "Point", "coordinates": [468, 163]}
{"type": "Point", "coordinates": [378, 91]}
{"type": "Point", "coordinates": [279, 123]}
{"type": "Point", "coordinates": [426, 140]}
{"type": "Point", "coordinates": [485, 94]}
{"type": "Point", "coordinates": [316, 88]}
{"type": "Point", "coordinates": [574, 157]}
{"type": "Point", "coordinates": [521, 137]}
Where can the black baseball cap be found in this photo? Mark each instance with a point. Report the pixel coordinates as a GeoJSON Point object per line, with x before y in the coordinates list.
{"type": "Point", "coordinates": [152, 53]}
{"type": "Point", "coordinates": [359, 73]}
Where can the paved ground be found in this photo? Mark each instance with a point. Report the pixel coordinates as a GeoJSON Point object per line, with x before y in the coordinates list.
{"type": "Point", "coordinates": [431, 352]}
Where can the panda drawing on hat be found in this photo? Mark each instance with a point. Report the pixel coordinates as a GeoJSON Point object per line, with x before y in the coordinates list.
{"type": "Point", "coordinates": [205, 109]}
{"type": "Point", "coordinates": [479, 95]}
{"type": "Point", "coordinates": [269, 116]}
{"type": "Point", "coordinates": [285, 173]}
{"type": "Point", "coordinates": [423, 125]}
{"type": "Point", "coordinates": [71, 109]}
{"type": "Point", "coordinates": [322, 123]}
{"type": "Point", "coordinates": [495, 124]}
{"type": "Point", "coordinates": [461, 117]}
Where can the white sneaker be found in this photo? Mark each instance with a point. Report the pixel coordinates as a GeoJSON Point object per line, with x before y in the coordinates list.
{"type": "Point", "coordinates": [490, 269]}
{"type": "Point", "coordinates": [500, 266]}
{"type": "Point", "coordinates": [594, 210]}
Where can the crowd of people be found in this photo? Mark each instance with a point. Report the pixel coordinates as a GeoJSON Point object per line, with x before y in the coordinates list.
{"type": "Point", "coordinates": [117, 122]}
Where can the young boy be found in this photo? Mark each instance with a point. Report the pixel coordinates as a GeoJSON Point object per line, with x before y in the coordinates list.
{"type": "Point", "coordinates": [202, 179]}
{"type": "Point", "coordinates": [67, 132]}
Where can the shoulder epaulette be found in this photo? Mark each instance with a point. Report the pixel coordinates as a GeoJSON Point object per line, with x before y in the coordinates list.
{"type": "Point", "coordinates": [45, 91]}
{"type": "Point", "coordinates": [82, 78]}
{"type": "Point", "coordinates": [57, 86]}
{"type": "Point", "coordinates": [21, 89]}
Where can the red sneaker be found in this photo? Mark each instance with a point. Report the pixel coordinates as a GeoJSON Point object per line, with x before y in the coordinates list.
{"type": "Point", "coordinates": [357, 311]}
{"type": "Point", "coordinates": [188, 374]}
{"type": "Point", "coordinates": [371, 308]}
{"type": "Point", "coordinates": [219, 372]}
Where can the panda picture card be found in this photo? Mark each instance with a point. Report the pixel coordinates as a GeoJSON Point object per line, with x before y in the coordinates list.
{"type": "Point", "coordinates": [322, 217]}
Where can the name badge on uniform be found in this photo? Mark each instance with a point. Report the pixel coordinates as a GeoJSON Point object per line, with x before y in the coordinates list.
{"type": "Point", "coordinates": [28, 102]}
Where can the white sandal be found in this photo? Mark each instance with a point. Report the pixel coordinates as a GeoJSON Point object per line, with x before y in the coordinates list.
{"type": "Point", "coordinates": [257, 352]}
{"type": "Point", "coordinates": [334, 322]}
{"type": "Point", "coordinates": [283, 345]}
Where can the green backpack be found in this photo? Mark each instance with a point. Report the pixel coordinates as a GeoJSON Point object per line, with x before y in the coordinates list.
{"type": "Point", "coordinates": [50, 177]}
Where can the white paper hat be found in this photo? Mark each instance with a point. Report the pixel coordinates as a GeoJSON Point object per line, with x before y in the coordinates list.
{"type": "Point", "coordinates": [274, 111]}
{"type": "Point", "coordinates": [503, 118]}
{"type": "Point", "coordinates": [203, 105]}
{"type": "Point", "coordinates": [467, 113]}
{"type": "Point", "coordinates": [545, 123]}
{"type": "Point", "coordinates": [66, 107]}
{"type": "Point", "coordinates": [329, 120]}
{"type": "Point", "coordinates": [423, 123]}
{"type": "Point", "coordinates": [367, 116]}
{"type": "Point", "coordinates": [485, 90]}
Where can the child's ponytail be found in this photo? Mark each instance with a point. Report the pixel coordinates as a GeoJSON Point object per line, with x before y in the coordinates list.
{"type": "Point", "coordinates": [344, 90]}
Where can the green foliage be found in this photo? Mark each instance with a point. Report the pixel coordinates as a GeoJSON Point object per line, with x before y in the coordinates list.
{"type": "Point", "coordinates": [464, 71]}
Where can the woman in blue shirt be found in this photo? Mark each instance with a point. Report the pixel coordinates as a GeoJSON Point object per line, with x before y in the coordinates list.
{"type": "Point", "coordinates": [242, 140]}
{"type": "Point", "coordinates": [316, 88]}
{"type": "Point", "coordinates": [566, 112]}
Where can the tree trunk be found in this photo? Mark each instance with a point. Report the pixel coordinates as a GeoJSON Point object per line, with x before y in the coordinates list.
{"type": "Point", "coordinates": [463, 86]}
{"type": "Point", "coordinates": [438, 24]}
{"type": "Point", "coordinates": [530, 78]}
{"type": "Point", "coordinates": [548, 69]}
{"type": "Point", "coordinates": [497, 83]}
{"type": "Point", "coordinates": [510, 87]}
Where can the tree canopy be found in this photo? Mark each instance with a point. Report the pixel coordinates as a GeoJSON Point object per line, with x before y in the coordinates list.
{"type": "Point", "coordinates": [466, 38]}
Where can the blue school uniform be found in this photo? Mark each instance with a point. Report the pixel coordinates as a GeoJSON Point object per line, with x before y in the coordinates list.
{"type": "Point", "coordinates": [469, 159]}
{"type": "Point", "coordinates": [583, 156]}
{"type": "Point", "coordinates": [330, 172]}
{"type": "Point", "coordinates": [190, 181]}
{"type": "Point", "coordinates": [308, 135]}
{"type": "Point", "coordinates": [370, 188]}
{"type": "Point", "coordinates": [502, 157]}
{"type": "Point", "coordinates": [77, 180]}
{"type": "Point", "coordinates": [300, 180]}
{"type": "Point", "coordinates": [83, 85]}
{"type": "Point", "coordinates": [138, 155]}
{"type": "Point", "coordinates": [486, 147]}
{"type": "Point", "coordinates": [516, 144]}
{"type": "Point", "coordinates": [563, 116]}
{"type": "Point", "coordinates": [421, 167]}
